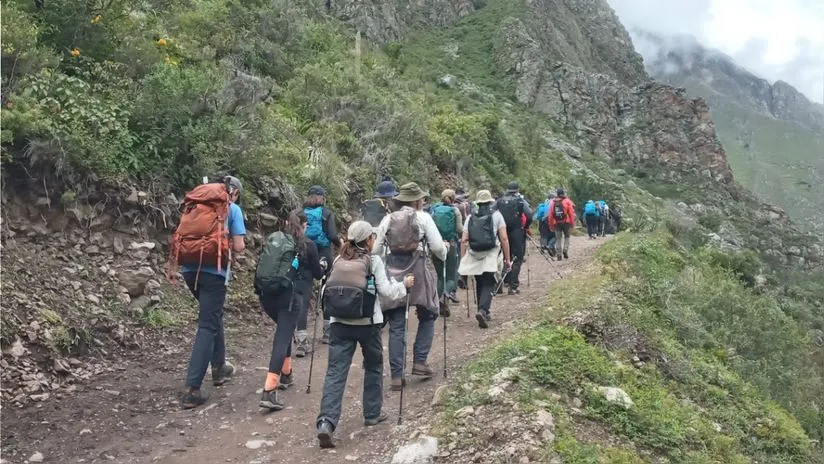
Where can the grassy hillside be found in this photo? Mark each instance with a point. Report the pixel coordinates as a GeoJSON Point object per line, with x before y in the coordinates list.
{"type": "Point", "coordinates": [718, 369]}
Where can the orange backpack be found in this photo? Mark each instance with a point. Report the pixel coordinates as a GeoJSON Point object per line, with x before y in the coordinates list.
{"type": "Point", "coordinates": [201, 238]}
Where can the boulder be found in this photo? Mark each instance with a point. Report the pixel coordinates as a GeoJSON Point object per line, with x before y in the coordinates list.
{"type": "Point", "coordinates": [135, 280]}
{"type": "Point", "coordinates": [422, 451]}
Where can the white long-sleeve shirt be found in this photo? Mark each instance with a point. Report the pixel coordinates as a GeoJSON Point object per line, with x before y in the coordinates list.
{"type": "Point", "coordinates": [384, 286]}
{"type": "Point", "coordinates": [428, 232]}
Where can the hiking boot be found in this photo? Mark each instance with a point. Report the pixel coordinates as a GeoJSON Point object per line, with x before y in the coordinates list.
{"type": "Point", "coordinates": [566, 255]}
{"type": "Point", "coordinates": [513, 291]}
{"type": "Point", "coordinates": [453, 297]}
{"type": "Point", "coordinates": [560, 258]}
{"type": "Point", "coordinates": [422, 369]}
{"type": "Point", "coordinates": [269, 400]}
{"type": "Point", "coordinates": [481, 320]}
{"type": "Point", "coordinates": [302, 347]}
{"type": "Point", "coordinates": [286, 381]}
{"type": "Point", "coordinates": [443, 309]}
{"type": "Point", "coordinates": [325, 337]}
{"type": "Point", "coordinates": [192, 399]}
{"type": "Point", "coordinates": [222, 374]}
{"type": "Point", "coordinates": [325, 431]}
{"type": "Point", "coordinates": [376, 420]}
{"type": "Point", "coordinates": [397, 384]}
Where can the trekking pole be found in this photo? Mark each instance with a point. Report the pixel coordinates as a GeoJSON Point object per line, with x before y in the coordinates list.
{"type": "Point", "coordinates": [444, 318]}
{"type": "Point", "coordinates": [500, 282]}
{"type": "Point", "coordinates": [527, 261]}
{"type": "Point", "coordinates": [403, 369]}
{"type": "Point", "coordinates": [314, 334]}
{"type": "Point", "coordinates": [466, 280]}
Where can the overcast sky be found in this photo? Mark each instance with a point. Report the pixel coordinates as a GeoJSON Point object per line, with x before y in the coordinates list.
{"type": "Point", "coordinates": [775, 39]}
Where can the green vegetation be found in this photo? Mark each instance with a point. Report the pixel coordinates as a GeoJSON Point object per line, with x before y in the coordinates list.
{"type": "Point", "coordinates": [165, 93]}
{"type": "Point", "coordinates": [730, 374]}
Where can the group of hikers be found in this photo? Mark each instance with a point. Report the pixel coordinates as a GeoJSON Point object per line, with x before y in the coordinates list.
{"type": "Point", "coordinates": [405, 253]}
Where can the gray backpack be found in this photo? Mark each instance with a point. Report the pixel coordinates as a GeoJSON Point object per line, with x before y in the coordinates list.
{"type": "Point", "coordinates": [403, 233]}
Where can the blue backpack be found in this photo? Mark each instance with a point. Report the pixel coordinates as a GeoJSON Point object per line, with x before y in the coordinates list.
{"type": "Point", "coordinates": [590, 209]}
{"type": "Point", "coordinates": [314, 229]}
{"type": "Point", "coordinates": [541, 213]}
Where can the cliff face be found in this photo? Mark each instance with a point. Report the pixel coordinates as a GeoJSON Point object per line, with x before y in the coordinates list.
{"type": "Point", "coordinates": [773, 134]}
{"type": "Point", "coordinates": [388, 21]}
{"type": "Point", "coordinates": [574, 61]}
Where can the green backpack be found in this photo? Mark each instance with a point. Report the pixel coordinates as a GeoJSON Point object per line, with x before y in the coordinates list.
{"type": "Point", "coordinates": [445, 217]}
{"type": "Point", "coordinates": [277, 264]}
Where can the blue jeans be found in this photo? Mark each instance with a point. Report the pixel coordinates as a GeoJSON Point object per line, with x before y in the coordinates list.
{"type": "Point", "coordinates": [397, 341]}
{"type": "Point", "coordinates": [210, 342]}
{"type": "Point", "coordinates": [343, 339]}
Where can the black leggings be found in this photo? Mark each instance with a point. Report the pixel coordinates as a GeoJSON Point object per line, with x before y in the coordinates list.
{"type": "Point", "coordinates": [278, 308]}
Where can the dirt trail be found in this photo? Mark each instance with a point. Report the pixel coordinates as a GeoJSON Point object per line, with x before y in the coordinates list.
{"type": "Point", "coordinates": [131, 416]}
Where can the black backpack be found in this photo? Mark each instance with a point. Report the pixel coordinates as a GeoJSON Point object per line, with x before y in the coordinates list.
{"type": "Point", "coordinates": [558, 211]}
{"type": "Point", "coordinates": [511, 208]}
{"type": "Point", "coordinates": [482, 233]}
{"type": "Point", "coordinates": [275, 269]}
{"type": "Point", "coordinates": [373, 211]}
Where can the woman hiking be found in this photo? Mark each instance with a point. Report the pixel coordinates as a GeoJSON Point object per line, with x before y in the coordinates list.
{"type": "Point", "coordinates": [484, 238]}
{"type": "Point", "coordinates": [285, 301]}
{"type": "Point", "coordinates": [351, 300]}
{"type": "Point", "coordinates": [320, 230]}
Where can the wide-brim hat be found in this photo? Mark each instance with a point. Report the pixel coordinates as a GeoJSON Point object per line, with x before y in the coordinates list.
{"type": "Point", "coordinates": [484, 196]}
{"type": "Point", "coordinates": [411, 192]}
{"type": "Point", "coordinates": [448, 193]}
{"type": "Point", "coordinates": [386, 189]}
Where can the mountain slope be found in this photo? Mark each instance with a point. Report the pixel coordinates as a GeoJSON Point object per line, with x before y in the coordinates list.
{"type": "Point", "coordinates": [773, 135]}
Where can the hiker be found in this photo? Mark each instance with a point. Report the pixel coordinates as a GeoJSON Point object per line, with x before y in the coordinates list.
{"type": "Point", "coordinates": [513, 207]}
{"type": "Point", "coordinates": [484, 235]}
{"type": "Point", "coordinates": [447, 219]}
{"type": "Point", "coordinates": [603, 225]}
{"type": "Point", "coordinates": [321, 230]}
{"type": "Point", "coordinates": [351, 299]}
{"type": "Point", "coordinates": [541, 216]}
{"type": "Point", "coordinates": [372, 211]}
{"type": "Point", "coordinates": [205, 266]}
{"type": "Point", "coordinates": [561, 221]}
{"type": "Point", "coordinates": [287, 265]}
{"type": "Point", "coordinates": [592, 216]}
{"type": "Point", "coordinates": [466, 207]}
{"type": "Point", "coordinates": [617, 213]}
{"type": "Point", "coordinates": [404, 238]}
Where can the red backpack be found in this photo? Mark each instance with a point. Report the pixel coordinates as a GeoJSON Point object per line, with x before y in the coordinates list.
{"type": "Point", "coordinates": [201, 238]}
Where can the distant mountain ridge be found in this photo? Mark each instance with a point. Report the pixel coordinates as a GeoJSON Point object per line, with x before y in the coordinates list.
{"type": "Point", "coordinates": [773, 134]}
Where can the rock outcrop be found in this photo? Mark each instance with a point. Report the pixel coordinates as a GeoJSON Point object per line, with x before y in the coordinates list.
{"type": "Point", "coordinates": [388, 21]}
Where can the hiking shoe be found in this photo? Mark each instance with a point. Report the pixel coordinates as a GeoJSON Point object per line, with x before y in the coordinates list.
{"type": "Point", "coordinates": [513, 291]}
{"type": "Point", "coordinates": [481, 321]}
{"type": "Point", "coordinates": [192, 399]}
{"type": "Point", "coordinates": [376, 420]}
{"type": "Point", "coordinates": [269, 400]}
{"type": "Point", "coordinates": [453, 297]}
{"type": "Point", "coordinates": [286, 381]}
{"type": "Point", "coordinates": [222, 374]}
{"type": "Point", "coordinates": [302, 345]}
{"type": "Point", "coordinates": [566, 255]}
{"type": "Point", "coordinates": [443, 309]}
{"type": "Point", "coordinates": [422, 369]}
{"type": "Point", "coordinates": [560, 257]}
{"type": "Point", "coordinates": [397, 384]}
{"type": "Point", "coordinates": [325, 435]}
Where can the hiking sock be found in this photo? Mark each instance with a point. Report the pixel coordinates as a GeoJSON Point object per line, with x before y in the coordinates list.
{"type": "Point", "coordinates": [272, 381]}
{"type": "Point", "coordinates": [287, 366]}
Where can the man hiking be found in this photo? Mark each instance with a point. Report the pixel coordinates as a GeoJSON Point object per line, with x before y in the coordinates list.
{"type": "Point", "coordinates": [484, 236]}
{"type": "Point", "coordinates": [404, 238]}
{"type": "Point", "coordinates": [541, 216]}
{"type": "Point", "coordinates": [592, 216]}
{"type": "Point", "coordinates": [561, 221]}
{"type": "Point", "coordinates": [373, 211]}
{"type": "Point", "coordinates": [447, 219]}
{"type": "Point", "coordinates": [320, 228]}
{"type": "Point", "coordinates": [513, 208]}
{"type": "Point", "coordinates": [352, 299]}
{"type": "Point", "coordinates": [211, 229]}
{"type": "Point", "coordinates": [603, 225]}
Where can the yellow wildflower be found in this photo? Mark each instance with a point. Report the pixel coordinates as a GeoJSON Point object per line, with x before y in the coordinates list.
{"type": "Point", "coordinates": [75, 52]}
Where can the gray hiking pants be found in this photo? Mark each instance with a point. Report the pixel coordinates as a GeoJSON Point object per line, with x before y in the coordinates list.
{"type": "Point", "coordinates": [343, 339]}
{"type": "Point", "coordinates": [562, 231]}
{"type": "Point", "coordinates": [397, 341]}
